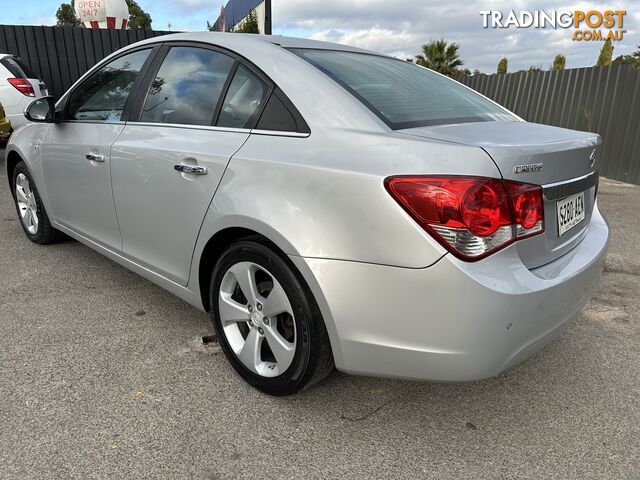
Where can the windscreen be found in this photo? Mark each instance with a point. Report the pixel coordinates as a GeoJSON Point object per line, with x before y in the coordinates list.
{"type": "Point", "coordinates": [402, 94]}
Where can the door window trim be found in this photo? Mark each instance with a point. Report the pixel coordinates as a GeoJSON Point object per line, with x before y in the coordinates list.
{"type": "Point", "coordinates": [193, 127]}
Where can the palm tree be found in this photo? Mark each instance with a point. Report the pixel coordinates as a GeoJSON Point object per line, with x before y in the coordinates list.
{"type": "Point", "coordinates": [439, 56]}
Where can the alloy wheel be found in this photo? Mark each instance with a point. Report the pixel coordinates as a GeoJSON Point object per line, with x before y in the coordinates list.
{"type": "Point", "coordinates": [257, 319]}
{"type": "Point", "coordinates": [27, 204]}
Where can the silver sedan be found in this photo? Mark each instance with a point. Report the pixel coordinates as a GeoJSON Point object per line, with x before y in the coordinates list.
{"type": "Point", "coordinates": [328, 205]}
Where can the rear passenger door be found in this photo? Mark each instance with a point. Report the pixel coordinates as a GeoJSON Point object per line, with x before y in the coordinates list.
{"type": "Point", "coordinates": [195, 110]}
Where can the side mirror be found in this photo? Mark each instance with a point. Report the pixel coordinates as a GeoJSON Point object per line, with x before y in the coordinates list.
{"type": "Point", "coordinates": [41, 110]}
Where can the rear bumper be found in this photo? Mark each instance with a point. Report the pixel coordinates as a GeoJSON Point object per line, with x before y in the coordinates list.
{"type": "Point", "coordinates": [453, 321]}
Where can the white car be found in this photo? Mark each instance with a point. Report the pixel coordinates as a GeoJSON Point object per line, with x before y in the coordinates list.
{"type": "Point", "coordinates": [18, 87]}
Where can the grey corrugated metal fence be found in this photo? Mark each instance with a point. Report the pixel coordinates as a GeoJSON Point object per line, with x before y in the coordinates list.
{"type": "Point", "coordinates": [61, 55]}
{"type": "Point", "coordinates": [605, 100]}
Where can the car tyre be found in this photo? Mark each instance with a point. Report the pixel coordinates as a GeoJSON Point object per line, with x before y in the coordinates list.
{"type": "Point", "coordinates": [31, 212]}
{"type": "Point", "coordinates": [306, 357]}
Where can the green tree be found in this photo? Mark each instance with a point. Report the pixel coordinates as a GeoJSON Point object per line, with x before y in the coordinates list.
{"type": "Point", "coordinates": [442, 58]}
{"type": "Point", "coordinates": [628, 60]}
{"type": "Point", "coordinates": [249, 24]}
{"type": "Point", "coordinates": [606, 54]}
{"type": "Point", "coordinates": [632, 59]}
{"type": "Point", "coordinates": [502, 66]}
{"type": "Point", "coordinates": [559, 63]}
{"type": "Point", "coordinates": [138, 18]}
{"type": "Point", "coordinates": [66, 16]}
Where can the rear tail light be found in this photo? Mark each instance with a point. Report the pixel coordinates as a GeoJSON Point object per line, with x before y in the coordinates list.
{"type": "Point", "coordinates": [472, 217]}
{"type": "Point", "coordinates": [23, 86]}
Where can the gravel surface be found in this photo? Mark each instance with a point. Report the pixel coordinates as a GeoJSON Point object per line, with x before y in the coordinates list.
{"type": "Point", "coordinates": [104, 375]}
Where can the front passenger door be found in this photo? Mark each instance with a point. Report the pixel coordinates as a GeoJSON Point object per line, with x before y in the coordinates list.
{"type": "Point", "coordinates": [76, 152]}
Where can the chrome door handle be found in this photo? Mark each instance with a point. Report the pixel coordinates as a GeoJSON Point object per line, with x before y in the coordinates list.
{"type": "Point", "coordinates": [95, 158]}
{"type": "Point", "coordinates": [192, 169]}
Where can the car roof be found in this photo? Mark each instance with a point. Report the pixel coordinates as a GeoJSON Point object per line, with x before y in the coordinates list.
{"type": "Point", "coordinates": [242, 39]}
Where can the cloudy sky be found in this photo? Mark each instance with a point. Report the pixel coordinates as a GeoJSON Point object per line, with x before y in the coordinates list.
{"type": "Point", "coordinates": [396, 27]}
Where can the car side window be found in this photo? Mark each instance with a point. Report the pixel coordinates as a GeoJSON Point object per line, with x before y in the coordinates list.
{"type": "Point", "coordinates": [280, 115]}
{"type": "Point", "coordinates": [103, 96]}
{"type": "Point", "coordinates": [242, 102]}
{"type": "Point", "coordinates": [188, 86]}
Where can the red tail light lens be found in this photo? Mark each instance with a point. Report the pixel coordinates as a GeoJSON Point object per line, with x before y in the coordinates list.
{"type": "Point", "coordinates": [528, 207]}
{"type": "Point", "coordinates": [23, 86]}
{"type": "Point", "coordinates": [484, 207]}
{"type": "Point", "coordinates": [471, 216]}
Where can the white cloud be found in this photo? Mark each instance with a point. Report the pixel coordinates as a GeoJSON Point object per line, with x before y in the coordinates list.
{"type": "Point", "coordinates": [376, 39]}
{"type": "Point", "coordinates": [400, 27]}
{"type": "Point", "coordinates": [186, 6]}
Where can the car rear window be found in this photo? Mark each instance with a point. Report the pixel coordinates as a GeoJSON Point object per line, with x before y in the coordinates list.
{"type": "Point", "coordinates": [17, 68]}
{"type": "Point", "coordinates": [401, 93]}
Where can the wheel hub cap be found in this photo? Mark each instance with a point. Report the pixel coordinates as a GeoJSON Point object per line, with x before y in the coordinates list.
{"type": "Point", "coordinates": [257, 319]}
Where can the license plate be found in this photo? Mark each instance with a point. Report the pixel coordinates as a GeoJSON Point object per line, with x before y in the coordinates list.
{"type": "Point", "coordinates": [571, 212]}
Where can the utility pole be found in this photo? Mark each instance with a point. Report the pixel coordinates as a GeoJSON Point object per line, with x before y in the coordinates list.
{"type": "Point", "coordinates": [267, 18]}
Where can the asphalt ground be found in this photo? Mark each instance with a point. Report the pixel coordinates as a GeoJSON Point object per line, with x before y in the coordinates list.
{"type": "Point", "coordinates": [104, 375]}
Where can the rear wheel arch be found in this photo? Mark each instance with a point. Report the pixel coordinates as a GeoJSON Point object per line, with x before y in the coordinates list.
{"type": "Point", "coordinates": [212, 252]}
{"type": "Point", "coordinates": [221, 241]}
{"type": "Point", "coordinates": [225, 237]}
